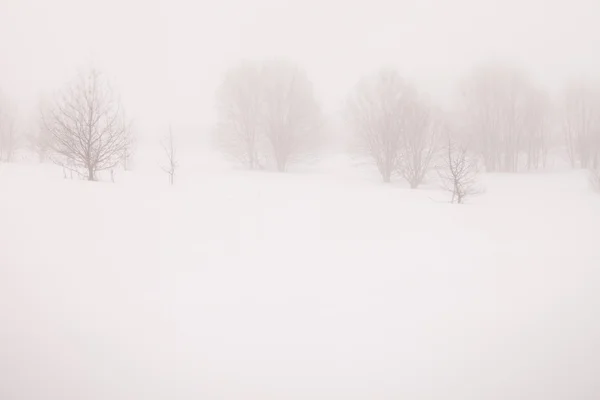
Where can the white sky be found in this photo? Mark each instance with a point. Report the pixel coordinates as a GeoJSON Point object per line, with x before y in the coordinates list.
{"type": "Point", "coordinates": [166, 57]}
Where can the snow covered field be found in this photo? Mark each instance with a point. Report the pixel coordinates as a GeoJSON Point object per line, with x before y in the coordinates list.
{"type": "Point", "coordinates": [323, 284]}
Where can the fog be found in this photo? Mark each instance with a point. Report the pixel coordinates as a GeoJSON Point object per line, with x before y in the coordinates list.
{"type": "Point", "coordinates": [272, 199]}
{"type": "Point", "coordinates": [167, 57]}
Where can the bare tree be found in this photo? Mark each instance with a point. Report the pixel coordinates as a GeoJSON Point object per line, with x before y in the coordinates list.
{"type": "Point", "coordinates": [87, 125]}
{"type": "Point", "coordinates": [505, 114]}
{"type": "Point", "coordinates": [458, 174]}
{"type": "Point", "coordinates": [8, 133]}
{"type": "Point", "coordinates": [292, 116]}
{"type": "Point", "coordinates": [379, 111]}
{"type": "Point", "coordinates": [582, 124]}
{"type": "Point", "coordinates": [168, 145]}
{"type": "Point", "coordinates": [418, 143]}
{"type": "Point", "coordinates": [267, 111]}
{"type": "Point", "coordinates": [239, 103]}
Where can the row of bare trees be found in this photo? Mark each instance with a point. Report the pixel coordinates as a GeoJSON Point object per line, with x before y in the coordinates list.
{"type": "Point", "coordinates": [515, 123]}
{"type": "Point", "coordinates": [507, 117]}
{"type": "Point", "coordinates": [403, 134]}
{"type": "Point", "coordinates": [268, 115]}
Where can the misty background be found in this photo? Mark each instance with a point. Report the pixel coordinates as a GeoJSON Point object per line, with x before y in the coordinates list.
{"type": "Point", "coordinates": [166, 58]}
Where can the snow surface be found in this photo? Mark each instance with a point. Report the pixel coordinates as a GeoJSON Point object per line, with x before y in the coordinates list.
{"type": "Point", "coordinates": [318, 284]}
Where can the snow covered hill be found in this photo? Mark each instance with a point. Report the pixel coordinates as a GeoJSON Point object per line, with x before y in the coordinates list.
{"type": "Point", "coordinates": [240, 286]}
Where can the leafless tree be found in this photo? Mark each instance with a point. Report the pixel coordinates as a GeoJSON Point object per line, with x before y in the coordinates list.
{"type": "Point", "coordinates": [292, 116]}
{"type": "Point", "coordinates": [8, 134]}
{"type": "Point", "coordinates": [458, 173]}
{"type": "Point", "coordinates": [506, 117]}
{"type": "Point", "coordinates": [582, 124]}
{"type": "Point", "coordinates": [239, 107]}
{"type": "Point", "coordinates": [87, 125]}
{"type": "Point", "coordinates": [267, 111]}
{"type": "Point", "coordinates": [168, 145]}
{"type": "Point", "coordinates": [379, 111]}
{"type": "Point", "coordinates": [418, 142]}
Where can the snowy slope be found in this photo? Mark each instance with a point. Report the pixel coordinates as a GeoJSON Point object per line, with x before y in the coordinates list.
{"type": "Point", "coordinates": [237, 285]}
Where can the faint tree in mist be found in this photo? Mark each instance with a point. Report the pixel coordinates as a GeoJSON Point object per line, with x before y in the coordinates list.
{"type": "Point", "coordinates": [267, 111]}
{"type": "Point", "coordinates": [87, 126]}
{"type": "Point", "coordinates": [506, 116]}
{"type": "Point", "coordinates": [8, 134]}
{"type": "Point", "coordinates": [39, 141]}
{"type": "Point", "coordinates": [419, 143]}
{"type": "Point", "coordinates": [239, 104]}
{"type": "Point", "coordinates": [458, 173]}
{"type": "Point", "coordinates": [582, 124]}
{"type": "Point", "coordinates": [376, 112]}
{"type": "Point", "coordinates": [292, 116]}
{"type": "Point", "coordinates": [170, 153]}
{"type": "Point", "coordinates": [393, 126]}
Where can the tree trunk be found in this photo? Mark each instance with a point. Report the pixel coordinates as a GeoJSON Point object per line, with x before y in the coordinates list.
{"type": "Point", "coordinates": [281, 164]}
{"type": "Point", "coordinates": [91, 174]}
{"type": "Point", "coordinates": [387, 176]}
